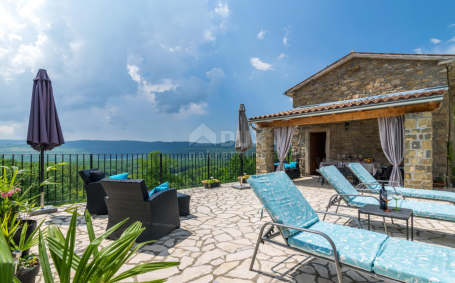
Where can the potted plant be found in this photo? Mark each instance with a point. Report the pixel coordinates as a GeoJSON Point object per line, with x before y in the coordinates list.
{"type": "Point", "coordinates": [85, 268]}
{"type": "Point", "coordinates": [438, 182]}
{"type": "Point", "coordinates": [19, 231]}
{"type": "Point", "coordinates": [28, 269]}
{"type": "Point", "coordinates": [211, 183]}
{"type": "Point", "coordinates": [244, 178]}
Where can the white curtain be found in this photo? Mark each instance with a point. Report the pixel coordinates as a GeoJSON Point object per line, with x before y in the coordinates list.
{"type": "Point", "coordinates": [283, 138]}
{"type": "Point", "coordinates": [391, 133]}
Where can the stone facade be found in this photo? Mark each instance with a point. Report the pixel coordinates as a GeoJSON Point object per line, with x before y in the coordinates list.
{"type": "Point", "coordinates": [365, 77]}
{"type": "Point", "coordinates": [264, 150]}
{"type": "Point", "coordinates": [418, 153]}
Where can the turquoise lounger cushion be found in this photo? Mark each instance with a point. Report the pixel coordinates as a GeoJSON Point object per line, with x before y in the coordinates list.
{"type": "Point", "coordinates": [421, 209]}
{"type": "Point", "coordinates": [283, 201]}
{"type": "Point", "coordinates": [415, 262]}
{"type": "Point", "coordinates": [355, 247]}
{"type": "Point", "coordinates": [365, 177]}
{"type": "Point", "coordinates": [361, 201]}
{"type": "Point", "coordinates": [338, 181]}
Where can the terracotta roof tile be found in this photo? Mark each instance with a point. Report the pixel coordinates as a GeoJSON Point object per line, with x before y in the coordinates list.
{"type": "Point", "coordinates": [353, 103]}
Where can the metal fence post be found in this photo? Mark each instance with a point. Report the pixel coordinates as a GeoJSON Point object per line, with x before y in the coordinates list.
{"type": "Point", "coordinates": [208, 166]}
{"type": "Point", "coordinates": [91, 161]}
{"type": "Point", "coordinates": [161, 168]}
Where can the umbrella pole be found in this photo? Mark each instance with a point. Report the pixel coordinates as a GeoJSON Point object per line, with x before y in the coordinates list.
{"type": "Point", "coordinates": [241, 164]}
{"type": "Point", "coordinates": [41, 176]}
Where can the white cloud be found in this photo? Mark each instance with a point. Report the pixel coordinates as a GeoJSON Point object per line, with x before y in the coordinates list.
{"type": "Point", "coordinates": [3, 52]}
{"type": "Point", "coordinates": [6, 130]}
{"type": "Point", "coordinates": [435, 40]}
{"type": "Point", "coordinates": [173, 49]}
{"type": "Point", "coordinates": [13, 36]}
{"type": "Point", "coordinates": [258, 64]}
{"type": "Point", "coordinates": [209, 36]}
{"type": "Point", "coordinates": [450, 40]}
{"type": "Point", "coordinates": [133, 71]}
{"type": "Point", "coordinates": [261, 34]}
{"type": "Point", "coordinates": [282, 56]}
{"type": "Point", "coordinates": [222, 10]}
{"type": "Point", "coordinates": [193, 109]}
{"type": "Point", "coordinates": [452, 25]}
{"type": "Point", "coordinates": [418, 50]}
{"type": "Point", "coordinates": [285, 38]}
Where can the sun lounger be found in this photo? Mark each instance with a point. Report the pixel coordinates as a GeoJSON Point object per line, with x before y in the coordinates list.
{"type": "Point", "coordinates": [367, 252]}
{"type": "Point", "coordinates": [368, 182]}
{"type": "Point", "coordinates": [352, 198]}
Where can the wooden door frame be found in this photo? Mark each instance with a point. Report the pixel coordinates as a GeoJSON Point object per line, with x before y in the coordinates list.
{"type": "Point", "coordinates": [308, 145]}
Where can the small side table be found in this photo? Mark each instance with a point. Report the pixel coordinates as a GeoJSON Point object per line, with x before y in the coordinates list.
{"type": "Point", "coordinates": [403, 214]}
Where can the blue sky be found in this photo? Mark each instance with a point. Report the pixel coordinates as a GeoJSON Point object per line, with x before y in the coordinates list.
{"type": "Point", "coordinates": [156, 70]}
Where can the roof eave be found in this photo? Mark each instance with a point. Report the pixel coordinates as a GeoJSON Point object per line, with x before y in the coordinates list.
{"type": "Point", "coordinates": [421, 100]}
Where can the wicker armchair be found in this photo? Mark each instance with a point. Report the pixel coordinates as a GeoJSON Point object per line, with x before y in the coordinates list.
{"type": "Point", "coordinates": [159, 213]}
{"type": "Point", "coordinates": [95, 193]}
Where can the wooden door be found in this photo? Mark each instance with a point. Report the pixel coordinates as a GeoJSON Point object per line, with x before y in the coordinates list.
{"type": "Point", "coordinates": [317, 149]}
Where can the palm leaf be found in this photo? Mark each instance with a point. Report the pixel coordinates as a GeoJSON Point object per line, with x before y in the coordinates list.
{"type": "Point", "coordinates": [45, 267]}
{"type": "Point", "coordinates": [6, 261]}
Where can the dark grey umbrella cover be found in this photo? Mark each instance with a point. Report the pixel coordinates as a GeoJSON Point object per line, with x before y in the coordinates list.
{"type": "Point", "coordinates": [243, 140]}
{"type": "Point", "coordinates": [44, 131]}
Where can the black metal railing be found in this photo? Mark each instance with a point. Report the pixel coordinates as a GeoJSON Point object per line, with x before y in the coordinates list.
{"type": "Point", "coordinates": [184, 170]}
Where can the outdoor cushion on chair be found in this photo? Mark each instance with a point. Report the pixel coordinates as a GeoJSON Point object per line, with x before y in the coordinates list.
{"type": "Point", "coordinates": [338, 181]}
{"type": "Point", "coordinates": [365, 177]}
{"type": "Point", "coordinates": [375, 253]}
{"type": "Point", "coordinates": [421, 209]}
{"type": "Point", "coordinates": [415, 262]}
{"type": "Point", "coordinates": [354, 246]}
{"type": "Point", "coordinates": [284, 204]}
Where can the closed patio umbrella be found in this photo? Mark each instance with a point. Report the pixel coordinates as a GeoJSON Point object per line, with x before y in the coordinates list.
{"type": "Point", "coordinates": [243, 140]}
{"type": "Point", "coordinates": [44, 132]}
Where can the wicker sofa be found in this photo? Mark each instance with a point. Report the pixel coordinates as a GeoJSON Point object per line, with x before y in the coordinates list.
{"type": "Point", "coordinates": [95, 193]}
{"type": "Point", "coordinates": [158, 213]}
{"type": "Point", "coordinates": [292, 173]}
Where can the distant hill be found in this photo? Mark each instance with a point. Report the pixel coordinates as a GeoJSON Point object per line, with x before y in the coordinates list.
{"type": "Point", "coordinates": [95, 146]}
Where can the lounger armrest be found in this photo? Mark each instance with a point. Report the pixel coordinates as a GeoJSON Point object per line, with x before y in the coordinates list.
{"type": "Point", "coordinates": [334, 248]}
{"type": "Point", "coordinates": [342, 215]}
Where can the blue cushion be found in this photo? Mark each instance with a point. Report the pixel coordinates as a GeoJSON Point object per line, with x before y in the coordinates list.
{"type": "Point", "coordinates": [162, 187]}
{"type": "Point", "coordinates": [420, 208]}
{"type": "Point", "coordinates": [123, 176]}
{"type": "Point", "coordinates": [365, 177]}
{"type": "Point", "coordinates": [276, 164]}
{"type": "Point", "coordinates": [355, 247]}
{"type": "Point", "coordinates": [283, 201]}
{"type": "Point", "coordinates": [287, 166]}
{"type": "Point", "coordinates": [415, 262]}
{"type": "Point", "coordinates": [293, 164]}
{"type": "Point", "coordinates": [338, 181]}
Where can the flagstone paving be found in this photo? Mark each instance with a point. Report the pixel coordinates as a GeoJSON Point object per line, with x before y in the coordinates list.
{"type": "Point", "coordinates": [216, 241]}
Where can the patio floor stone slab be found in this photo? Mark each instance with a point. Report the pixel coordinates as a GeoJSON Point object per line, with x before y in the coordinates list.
{"type": "Point", "coordinates": [216, 241]}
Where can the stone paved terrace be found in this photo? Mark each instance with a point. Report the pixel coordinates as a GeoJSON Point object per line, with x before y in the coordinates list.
{"type": "Point", "coordinates": [216, 241]}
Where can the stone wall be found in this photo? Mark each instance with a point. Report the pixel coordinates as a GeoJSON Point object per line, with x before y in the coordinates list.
{"type": "Point", "coordinates": [382, 76]}
{"type": "Point", "coordinates": [373, 77]}
{"type": "Point", "coordinates": [264, 150]}
{"type": "Point", "coordinates": [362, 137]}
{"type": "Point", "coordinates": [418, 153]}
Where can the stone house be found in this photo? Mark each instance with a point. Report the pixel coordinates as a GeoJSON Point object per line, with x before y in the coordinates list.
{"type": "Point", "coordinates": [336, 110]}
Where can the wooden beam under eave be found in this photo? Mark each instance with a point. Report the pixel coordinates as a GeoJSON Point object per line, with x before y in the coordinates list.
{"type": "Point", "coordinates": [353, 116]}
